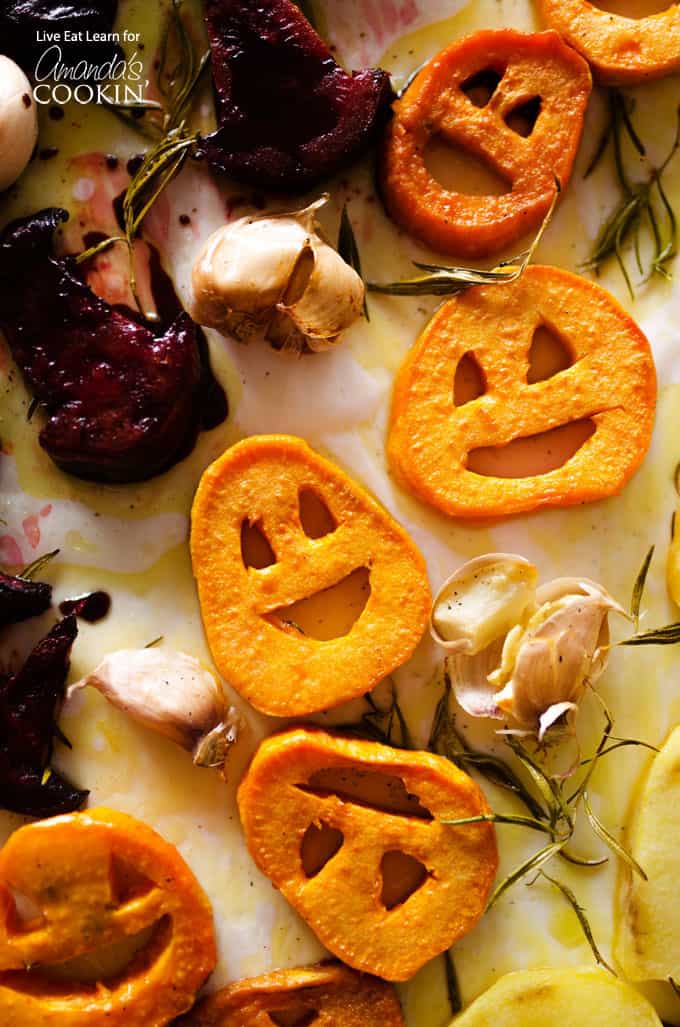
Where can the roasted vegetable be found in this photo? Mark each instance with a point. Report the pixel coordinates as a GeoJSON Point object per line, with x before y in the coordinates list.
{"type": "Point", "coordinates": [21, 598]}
{"type": "Point", "coordinates": [331, 607]}
{"type": "Point", "coordinates": [29, 705]}
{"type": "Point", "coordinates": [98, 880]}
{"type": "Point", "coordinates": [328, 995]}
{"type": "Point", "coordinates": [457, 455]}
{"type": "Point", "coordinates": [288, 115]}
{"type": "Point", "coordinates": [355, 835]}
{"type": "Point", "coordinates": [23, 24]}
{"type": "Point", "coordinates": [570, 996]}
{"type": "Point", "coordinates": [123, 401]}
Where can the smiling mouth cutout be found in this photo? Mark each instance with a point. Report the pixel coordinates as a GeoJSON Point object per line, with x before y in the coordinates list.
{"type": "Point", "coordinates": [327, 614]}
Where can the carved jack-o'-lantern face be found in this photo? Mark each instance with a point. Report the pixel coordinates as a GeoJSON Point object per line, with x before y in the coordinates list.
{"type": "Point", "coordinates": [93, 881]}
{"type": "Point", "coordinates": [310, 592]}
{"type": "Point", "coordinates": [620, 50]}
{"type": "Point", "coordinates": [350, 831]}
{"type": "Point", "coordinates": [513, 100]}
{"type": "Point", "coordinates": [453, 452]}
{"type": "Point", "coordinates": [328, 995]}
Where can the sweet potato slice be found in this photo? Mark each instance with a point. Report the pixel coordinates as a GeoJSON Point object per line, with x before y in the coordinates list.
{"type": "Point", "coordinates": [610, 387]}
{"type": "Point", "coordinates": [530, 69]}
{"type": "Point", "coordinates": [328, 995]}
{"type": "Point", "coordinates": [384, 802]}
{"type": "Point", "coordinates": [93, 880]}
{"type": "Point", "coordinates": [332, 615]}
{"type": "Point", "coordinates": [621, 51]}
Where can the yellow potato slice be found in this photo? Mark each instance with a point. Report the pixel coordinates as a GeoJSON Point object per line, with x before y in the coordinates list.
{"type": "Point", "coordinates": [647, 943]}
{"type": "Point", "coordinates": [570, 997]}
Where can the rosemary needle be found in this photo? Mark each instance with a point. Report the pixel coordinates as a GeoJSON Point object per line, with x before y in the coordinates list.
{"type": "Point", "coordinates": [179, 73]}
{"type": "Point", "coordinates": [643, 202]}
{"type": "Point", "coordinates": [443, 280]}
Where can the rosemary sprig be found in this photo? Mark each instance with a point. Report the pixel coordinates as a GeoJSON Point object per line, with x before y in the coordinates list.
{"type": "Point", "coordinates": [348, 249]}
{"type": "Point", "coordinates": [442, 280]}
{"type": "Point", "coordinates": [178, 75]}
{"type": "Point", "coordinates": [554, 809]}
{"type": "Point", "coordinates": [582, 919]}
{"type": "Point", "coordinates": [32, 569]}
{"type": "Point", "coordinates": [639, 587]}
{"type": "Point", "coordinates": [452, 985]}
{"type": "Point", "coordinates": [642, 202]}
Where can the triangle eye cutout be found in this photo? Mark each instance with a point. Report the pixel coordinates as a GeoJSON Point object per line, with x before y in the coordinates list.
{"type": "Point", "coordinates": [549, 354]}
{"type": "Point", "coordinates": [256, 551]}
{"type": "Point", "coordinates": [480, 87]}
{"type": "Point", "coordinates": [294, 1017]}
{"type": "Point", "coordinates": [315, 517]}
{"type": "Point", "coordinates": [468, 382]}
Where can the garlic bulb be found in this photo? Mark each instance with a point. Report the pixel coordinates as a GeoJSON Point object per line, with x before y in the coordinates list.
{"type": "Point", "coordinates": [18, 122]}
{"type": "Point", "coordinates": [173, 694]}
{"type": "Point", "coordinates": [275, 275]}
{"type": "Point", "coordinates": [519, 651]}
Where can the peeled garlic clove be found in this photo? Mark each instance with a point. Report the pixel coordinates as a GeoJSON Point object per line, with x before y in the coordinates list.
{"type": "Point", "coordinates": [482, 601]}
{"type": "Point", "coordinates": [18, 122]}
{"type": "Point", "coordinates": [171, 693]}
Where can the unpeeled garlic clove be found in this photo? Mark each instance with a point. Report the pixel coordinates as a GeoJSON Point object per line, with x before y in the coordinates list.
{"type": "Point", "coordinates": [481, 601]}
{"type": "Point", "coordinates": [275, 274]}
{"type": "Point", "coordinates": [174, 695]}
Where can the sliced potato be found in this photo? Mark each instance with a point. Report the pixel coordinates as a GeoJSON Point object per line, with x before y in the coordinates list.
{"type": "Point", "coordinates": [570, 997]}
{"type": "Point", "coordinates": [647, 943]}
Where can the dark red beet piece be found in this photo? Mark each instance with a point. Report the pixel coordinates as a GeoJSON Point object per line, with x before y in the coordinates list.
{"type": "Point", "coordinates": [123, 403]}
{"type": "Point", "coordinates": [91, 607]}
{"type": "Point", "coordinates": [23, 24]}
{"type": "Point", "coordinates": [29, 705]}
{"type": "Point", "coordinates": [288, 115]}
{"type": "Point", "coordinates": [21, 598]}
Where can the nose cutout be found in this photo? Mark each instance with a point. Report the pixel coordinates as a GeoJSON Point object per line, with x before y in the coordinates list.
{"type": "Point", "coordinates": [319, 845]}
{"type": "Point", "coordinates": [256, 550]}
{"type": "Point", "coordinates": [402, 876]}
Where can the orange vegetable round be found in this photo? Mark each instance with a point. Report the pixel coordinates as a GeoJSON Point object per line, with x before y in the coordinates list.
{"type": "Point", "coordinates": [350, 833]}
{"type": "Point", "coordinates": [621, 51]}
{"type": "Point", "coordinates": [261, 637]}
{"type": "Point", "coordinates": [611, 383]}
{"type": "Point", "coordinates": [95, 879]}
{"type": "Point", "coordinates": [531, 69]}
{"type": "Point", "coordinates": [331, 994]}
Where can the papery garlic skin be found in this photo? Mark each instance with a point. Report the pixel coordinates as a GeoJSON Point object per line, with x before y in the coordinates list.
{"type": "Point", "coordinates": [18, 122]}
{"type": "Point", "coordinates": [518, 652]}
{"type": "Point", "coordinates": [171, 693]}
{"type": "Point", "coordinates": [482, 601]}
{"type": "Point", "coordinates": [562, 647]}
{"type": "Point", "coordinates": [275, 274]}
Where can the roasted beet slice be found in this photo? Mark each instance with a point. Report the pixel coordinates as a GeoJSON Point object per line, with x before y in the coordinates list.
{"type": "Point", "coordinates": [288, 115]}
{"type": "Point", "coordinates": [25, 24]}
{"type": "Point", "coordinates": [29, 705]}
{"type": "Point", "coordinates": [123, 403]}
{"type": "Point", "coordinates": [21, 598]}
